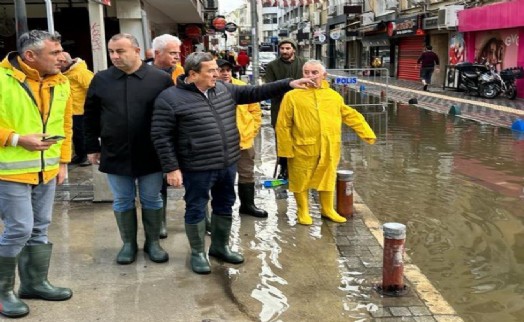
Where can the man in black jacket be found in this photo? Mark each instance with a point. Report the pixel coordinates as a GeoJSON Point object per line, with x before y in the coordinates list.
{"type": "Point", "coordinates": [195, 134]}
{"type": "Point", "coordinates": [118, 110]}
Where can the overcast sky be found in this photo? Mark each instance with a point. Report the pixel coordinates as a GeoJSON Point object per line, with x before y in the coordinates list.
{"type": "Point", "coordinates": [229, 5]}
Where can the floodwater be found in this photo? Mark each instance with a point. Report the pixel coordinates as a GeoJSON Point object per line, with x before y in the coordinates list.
{"type": "Point", "coordinates": [458, 186]}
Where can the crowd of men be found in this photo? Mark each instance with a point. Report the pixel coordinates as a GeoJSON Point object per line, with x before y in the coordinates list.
{"type": "Point", "coordinates": [147, 125]}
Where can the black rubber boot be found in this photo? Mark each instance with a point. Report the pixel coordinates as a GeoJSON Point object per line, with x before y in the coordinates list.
{"type": "Point", "coordinates": [33, 268]}
{"type": "Point", "coordinates": [127, 222]}
{"type": "Point", "coordinates": [246, 194]}
{"type": "Point", "coordinates": [220, 231]}
{"type": "Point", "coordinates": [10, 304]}
{"type": "Point", "coordinates": [152, 220]}
{"type": "Point", "coordinates": [163, 225]}
{"type": "Point", "coordinates": [283, 168]}
{"type": "Point", "coordinates": [196, 234]}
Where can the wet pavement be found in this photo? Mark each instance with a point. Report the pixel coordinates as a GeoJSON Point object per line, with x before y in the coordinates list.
{"type": "Point", "coordinates": [292, 273]}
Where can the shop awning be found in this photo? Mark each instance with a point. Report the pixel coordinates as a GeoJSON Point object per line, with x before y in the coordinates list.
{"type": "Point", "coordinates": [496, 16]}
{"type": "Point", "coordinates": [375, 41]}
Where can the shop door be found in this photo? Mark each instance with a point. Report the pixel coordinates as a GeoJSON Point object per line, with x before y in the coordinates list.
{"type": "Point", "coordinates": [409, 51]}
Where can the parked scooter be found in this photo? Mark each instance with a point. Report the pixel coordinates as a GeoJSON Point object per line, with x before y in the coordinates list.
{"type": "Point", "coordinates": [483, 80]}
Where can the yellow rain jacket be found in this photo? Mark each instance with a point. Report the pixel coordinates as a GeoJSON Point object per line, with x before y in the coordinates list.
{"type": "Point", "coordinates": [177, 71]}
{"type": "Point", "coordinates": [49, 95]}
{"type": "Point", "coordinates": [309, 134]}
{"type": "Point", "coordinates": [79, 77]}
{"type": "Point", "coordinates": [249, 119]}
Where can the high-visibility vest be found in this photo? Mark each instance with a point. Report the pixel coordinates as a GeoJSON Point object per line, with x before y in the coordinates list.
{"type": "Point", "coordinates": [19, 111]}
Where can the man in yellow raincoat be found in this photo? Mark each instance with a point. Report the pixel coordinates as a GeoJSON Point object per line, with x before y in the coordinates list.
{"type": "Point", "coordinates": [309, 134]}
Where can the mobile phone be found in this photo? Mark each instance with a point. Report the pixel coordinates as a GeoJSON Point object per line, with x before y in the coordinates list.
{"type": "Point", "coordinates": [54, 138]}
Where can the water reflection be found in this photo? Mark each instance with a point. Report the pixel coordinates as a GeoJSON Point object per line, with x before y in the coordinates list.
{"type": "Point", "coordinates": [458, 186]}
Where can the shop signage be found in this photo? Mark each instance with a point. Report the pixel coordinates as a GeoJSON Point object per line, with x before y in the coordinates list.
{"type": "Point", "coordinates": [219, 23]}
{"type": "Point", "coordinates": [193, 31]}
{"type": "Point", "coordinates": [430, 23]}
{"type": "Point", "coordinates": [321, 37]}
{"type": "Point", "coordinates": [406, 26]}
{"type": "Point", "coordinates": [231, 27]}
{"type": "Point", "coordinates": [335, 34]}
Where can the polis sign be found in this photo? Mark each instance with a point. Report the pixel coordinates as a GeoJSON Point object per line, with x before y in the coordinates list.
{"type": "Point", "coordinates": [231, 27]}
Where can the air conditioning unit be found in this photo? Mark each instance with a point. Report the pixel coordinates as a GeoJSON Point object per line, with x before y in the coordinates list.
{"type": "Point", "coordinates": [448, 17]}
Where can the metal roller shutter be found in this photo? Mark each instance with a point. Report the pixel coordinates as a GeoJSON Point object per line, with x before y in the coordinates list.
{"type": "Point", "coordinates": [409, 51]}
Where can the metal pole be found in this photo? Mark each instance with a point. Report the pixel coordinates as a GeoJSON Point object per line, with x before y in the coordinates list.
{"type": "Point", "coordinates": [254, 34]}
{"type": "Point", "coordinates": [21, 18]}
{"type": "Point", "coordinates": [50, 21]}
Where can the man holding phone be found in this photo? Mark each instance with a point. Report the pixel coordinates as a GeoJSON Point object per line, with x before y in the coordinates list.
{"type": "Point", "coordinates": [31, 166]}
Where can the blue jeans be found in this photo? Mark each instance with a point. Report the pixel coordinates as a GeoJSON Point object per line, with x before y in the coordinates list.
{"type": "Point", "coordinates": [26, 211]}
{"type": "Point", "coordinates": [124, 191]}
{"type": "Point", "coordinates": [199, 183]}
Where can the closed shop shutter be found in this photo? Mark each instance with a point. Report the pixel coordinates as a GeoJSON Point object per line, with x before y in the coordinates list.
{"type": "Point", "coordinates": [409, 51]}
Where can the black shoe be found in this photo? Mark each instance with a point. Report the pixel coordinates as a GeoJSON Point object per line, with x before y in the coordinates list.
{"type": "Point", "coordinates": [426, 88]}
{"type": "Point", "coordinates": [81, 161]}
{"type": "Point", "coordinates": [283, 174]}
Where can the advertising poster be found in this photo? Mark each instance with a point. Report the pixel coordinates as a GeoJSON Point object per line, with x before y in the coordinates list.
{"type": "Point", "coordinates": [498, 48]}
{"type": "Point", "coordinates": [456, 49]}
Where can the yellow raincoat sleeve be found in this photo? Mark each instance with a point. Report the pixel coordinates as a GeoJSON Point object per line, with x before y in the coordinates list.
{"type": "Point", "coordinates": [66, 150]}
{"type": "Point", "coordinates": [284, 127]}
{"type": "Point", "coordinates": [358, 123]}
{"type": "Point", "coordinates": [255, 111]}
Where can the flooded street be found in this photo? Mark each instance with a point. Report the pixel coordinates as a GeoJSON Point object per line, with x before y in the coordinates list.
{"type": "Point", "coordinates": [459, 187]}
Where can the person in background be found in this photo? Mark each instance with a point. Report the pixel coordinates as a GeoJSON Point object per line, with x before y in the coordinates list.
{"type": "Point", "coordinates": [243, 61]}
{"type": "Point", "coordinates": [287, 65]}
{"type": "Point", "coordinates": [35, 103]}
{"type": "Point", "coordinates": [199, 147]}
{"type": "Point", "coordinates": [249, 119]}
{"type": "Point", "coordinates": [309, 133]}
{"type": "Point", "coordinates": [79, 77]}
{"type": "Point", "coordinates": [117, 120]}
{"type": "Point", "coordinates": [428, 62]}
{"type": "Point", "coordinates": [167, 57]}
{"type": "Point", "coordinates": [150, 56]}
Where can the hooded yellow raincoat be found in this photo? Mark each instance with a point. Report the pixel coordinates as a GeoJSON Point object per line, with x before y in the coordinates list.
{"type": "Point", "coordinates": [79, 77]}
{"type": "Point", "coordinates": [309, 135]}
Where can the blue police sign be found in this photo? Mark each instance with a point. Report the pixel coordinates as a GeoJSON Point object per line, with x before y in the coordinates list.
{"type": "Point", "coordinates": [346, 80]}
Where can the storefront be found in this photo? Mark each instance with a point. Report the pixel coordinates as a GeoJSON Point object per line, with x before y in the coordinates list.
{"type": "Point", "coordinates": [494, 34]}
{"type": "Point", "coordinates": [376, 45]}
{"type": "Point", "coordinates": [411, 41]}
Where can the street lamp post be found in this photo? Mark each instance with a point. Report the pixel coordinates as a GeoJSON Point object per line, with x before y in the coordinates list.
{"type": "Point", "coordinates": [254, 34]}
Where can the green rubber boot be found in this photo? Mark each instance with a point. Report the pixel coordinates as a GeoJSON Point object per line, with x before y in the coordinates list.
{"type": "Point", "coordinates": [152, 220]}
{"type": "Point", "coordinates": [10, 304]}
{"type": "Point", "coordinates": [33, 268]}
{"type": "Point", "coordinates": [196, 234]}
{"type": "Point", "coordinates": [220, 230]}
{"type": "Point", "coordinates": [127, 223]}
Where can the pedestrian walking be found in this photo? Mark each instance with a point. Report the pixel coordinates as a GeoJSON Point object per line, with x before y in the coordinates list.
{"type": "Point", "coordinates": [287, 65]}
{"type": "Point", "coordinates": [167, 57]}
{"type": "Point", "coordinates": [35, 136]}
{"type": "Point", "coordinates": [243, 61]}
{"type": "Point", "coordinates": [427, 62]}
{"type": "Point", "coordinates": [249, 119]}
{"type": "Point", "coordinates": [79, 78]}
{"type": "Point", "coordinates": [309, 133]}
{"type": "Point", "coordinates": [118, 111]}
{"type": "Point", "coordinates": [195, 133]}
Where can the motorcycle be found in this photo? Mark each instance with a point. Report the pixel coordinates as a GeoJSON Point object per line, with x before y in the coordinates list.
{"type": "Point", "coordinates": [484, 80]}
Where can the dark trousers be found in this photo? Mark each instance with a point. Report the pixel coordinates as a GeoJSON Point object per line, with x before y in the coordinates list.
{"type": "Point", "coordinates": [78, 136]}
{"type": "Point", "coordinates": [221, 183]}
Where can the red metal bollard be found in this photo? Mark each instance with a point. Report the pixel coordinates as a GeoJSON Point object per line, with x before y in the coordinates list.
{"type": "Point", "coordinates": [345, 193]}
{"type": "Point", "coordinates": [393, 265]}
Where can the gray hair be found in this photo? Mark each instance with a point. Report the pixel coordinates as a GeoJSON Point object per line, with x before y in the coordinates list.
{"type": "Point", "coordinates": [34, 40]}
{"type": "Point", "coordinates": [316, 62]}
{"type": "Point", "coordinates": [130, 37]}
{"type": "Point", "coordinates": [194, 61]}
{"type": "Point", "coordinates": [161, 41]}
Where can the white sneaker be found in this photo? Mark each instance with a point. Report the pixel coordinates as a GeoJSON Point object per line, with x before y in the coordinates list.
{"type": "Point", "coordinates": [424, 82]}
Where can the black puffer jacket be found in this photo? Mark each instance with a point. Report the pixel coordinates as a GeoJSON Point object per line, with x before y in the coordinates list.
{"type": "Point", "coordinates": [193, 132]}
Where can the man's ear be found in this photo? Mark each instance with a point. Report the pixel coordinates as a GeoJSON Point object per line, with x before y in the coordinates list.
{"type": "Point", "coordinates": [29, 55]}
